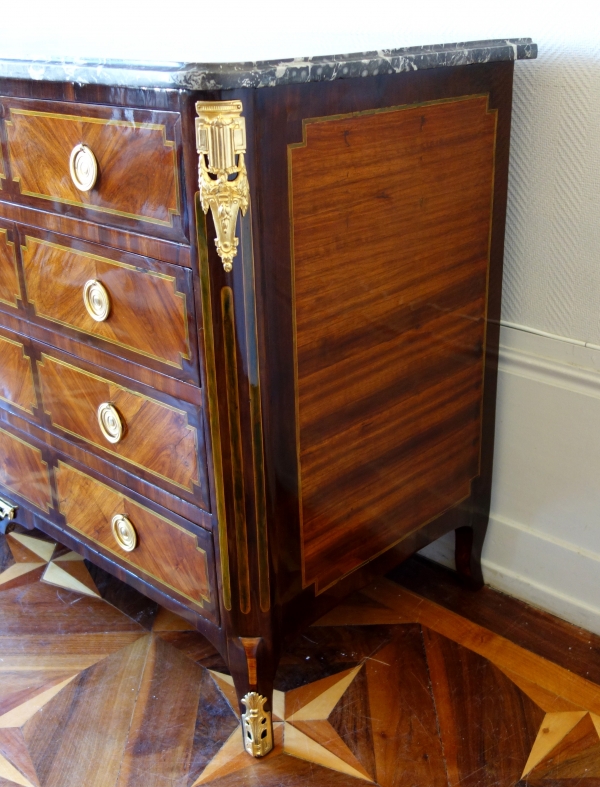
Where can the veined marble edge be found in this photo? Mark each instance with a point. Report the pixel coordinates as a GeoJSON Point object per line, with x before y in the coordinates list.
{"type": "Point", "coordinates": [270, 73]}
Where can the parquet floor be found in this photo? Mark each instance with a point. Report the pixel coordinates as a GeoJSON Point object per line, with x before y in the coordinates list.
{"type": "Point", "coordinates": [414, 682]}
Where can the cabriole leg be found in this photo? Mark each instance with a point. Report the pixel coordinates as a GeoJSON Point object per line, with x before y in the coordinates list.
{"type": "Point", "coordinates": [468, 547]}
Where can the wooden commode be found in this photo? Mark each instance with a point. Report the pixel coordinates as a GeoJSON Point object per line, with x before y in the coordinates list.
{"type": "Point", "coordinates": [249, 319]}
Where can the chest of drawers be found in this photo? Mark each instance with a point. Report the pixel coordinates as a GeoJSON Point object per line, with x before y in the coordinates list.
{"type": "Point", "coordinates": [249, 326]}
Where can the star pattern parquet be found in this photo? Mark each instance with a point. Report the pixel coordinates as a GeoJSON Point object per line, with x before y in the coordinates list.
{"type": "Point", "coordinates": [100, 687]}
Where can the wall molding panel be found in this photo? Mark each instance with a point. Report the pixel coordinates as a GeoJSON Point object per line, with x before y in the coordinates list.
{"type": "Point", "coordinates": [543, 542]}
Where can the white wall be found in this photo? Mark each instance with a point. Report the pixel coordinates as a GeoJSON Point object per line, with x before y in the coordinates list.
{"type": "Point", "coordinates": [543, 543]}
{"type": "Point", "coordinates": [544, 539]}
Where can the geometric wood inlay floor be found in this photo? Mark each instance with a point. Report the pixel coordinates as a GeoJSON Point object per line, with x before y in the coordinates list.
{"type": "Point", "coordinates": [413, 682]}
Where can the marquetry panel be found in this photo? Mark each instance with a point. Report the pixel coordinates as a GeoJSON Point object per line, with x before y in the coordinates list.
{"type": "Point", "coordinates": [156, 436]}
{"type": "Point", "coordinates": [16, 375]}
{"type": "Point", "coordinates": [136, 158]}
{"type": "Point", "coordinates": [24, 472]}
{"type": "Point", "coordinates": [147, 312]}
{"type": "Point", "coordinates": [10, 290]}
{"type": "Point", "coordinates": [164, 552]}
{"type": "Point", "coordinates": [390, 277]}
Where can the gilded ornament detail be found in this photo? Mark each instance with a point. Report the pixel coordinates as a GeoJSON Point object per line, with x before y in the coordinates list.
{"type": "Point", "coordinates": [7, 510]}
{"type": "Point", "coordinates": [223, 180]}
{"type": "Point", "coordinates": [257, 725]}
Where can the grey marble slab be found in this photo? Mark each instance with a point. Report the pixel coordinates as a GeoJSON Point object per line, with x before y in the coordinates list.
{"type": "Point", "coordinates": [268, 73]}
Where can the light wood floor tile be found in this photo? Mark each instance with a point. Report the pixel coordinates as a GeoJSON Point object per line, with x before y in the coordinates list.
{"type": "Point", "coordinates": [71, 576]}
{"type": "Point", "coordinates": [26, 548]}
{"type": "Point", "coordinates": [317, 700]}
{"type": "Point", "coordinates": [22, 713]}
{"type": "Point", "coordinates": [553, 730]}
{"type": "Point", "coordinates": [577, 753]}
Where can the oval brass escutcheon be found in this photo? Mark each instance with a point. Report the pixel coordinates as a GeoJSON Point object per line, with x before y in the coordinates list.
{"type": "Point", "coordinates": [83, 167]}
{"type": "Point", "coordinates": [96, 300]}
{"type": "Point", "coordinates": [124, 532]}
{"type": "Point", "coordinates": [110, 422]}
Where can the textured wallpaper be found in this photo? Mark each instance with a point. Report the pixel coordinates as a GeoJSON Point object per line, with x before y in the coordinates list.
{"type": "Point", "coordinates": [552, 259]}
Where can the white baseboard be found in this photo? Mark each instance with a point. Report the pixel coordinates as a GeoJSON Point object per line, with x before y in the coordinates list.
{"type": "Point", "coordinates": [543, 542]}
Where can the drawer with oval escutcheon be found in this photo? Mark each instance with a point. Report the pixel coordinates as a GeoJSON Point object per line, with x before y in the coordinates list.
{"type": "Point", "coordinates": [123, 304]}
{"type": "Point", "coordinates": [158, 438]}
{"type": "Point", "coordinates": [160, 549]}
{"type": "Point", "coordinates": [111, 165]}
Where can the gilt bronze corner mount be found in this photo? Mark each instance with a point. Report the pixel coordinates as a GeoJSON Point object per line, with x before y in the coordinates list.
{"type": "Point", "coordinates": [221, 144]}
{"type": "Point", "coordinates": [257, 725]}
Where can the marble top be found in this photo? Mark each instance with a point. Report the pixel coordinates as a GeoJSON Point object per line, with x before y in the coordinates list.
{"type": "Point", "coordinates": [267, 73]}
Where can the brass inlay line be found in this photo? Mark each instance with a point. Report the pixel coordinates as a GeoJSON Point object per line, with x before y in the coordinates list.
{"type": "Point", "coordinates": [27, 358]}
{"type": "Point", "coordinates": [235, 439]}
{"type": "Point", "coordinates": [206, 598]}
{"type": "Point", "coordinates": [493, 112]}
{"type": "Point", "coordinates": [107, 261]}
{"type": "Point", "coordinates": [38, 451]}
{"type": "Point", "coordinates": [260, 504]}
{"type": "Point", "coordinates": [290, 148]}
{"type": "Point", "coordinates": [11, 245]}
{"type": "Point", "coordinates": [213, 403]}
{"type": "Point", "coordinates": [110, 122]}
{"type": "Point", "coordinates": [191, 429]}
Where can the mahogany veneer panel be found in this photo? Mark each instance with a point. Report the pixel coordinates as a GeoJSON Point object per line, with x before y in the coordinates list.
{"type": "Point", "coordinates": [156, 437]}
{"type": "Point", "coordinates": [10, 290]}
{"type": "Point", "coordinates": [391, 215]}
{"type": "Point", "coordinates": [16, 375]}
{"type": "Point", "coordinates": [165, 551]}
{"type": "Point", "coordinates": [148, 312]}
{"type": "Point", "coordinates": [136, 153]}
{"type": "Point", "coordinates": [24, 471]}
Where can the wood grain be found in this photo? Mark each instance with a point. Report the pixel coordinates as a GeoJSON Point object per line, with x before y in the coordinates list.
{"type": "Point", "coordinates": [578, 752]}
{"type": "Point", "coordinates": [137, 163]}
{"type": "Point", "coordinates": [487, 724]}
{"type": "Point", "coordinates": [148, 313]}
{"type": "Point", "coordinates": [165, 551]}
{"type": "Point", "coordinates": [16, 375]}
{"type": "Point", "coordinates": [569, 646]}
{"type": "Point", "coordinates": [156, 437]}
{"type": "Point", "coordinates": [157, 726]}
{"type": "Point", "coordinates": [390, 273]}
{"type": "Point", "coordinates": [24, 471]}
{"type": "Point", "coordinates": [10, 290]}
{"type": "Point", "coordinates": [95, 713]}
{"type": "Point", "coordinates": [404, 724]}
{"type": "Point", "coordinates": [504, 653]}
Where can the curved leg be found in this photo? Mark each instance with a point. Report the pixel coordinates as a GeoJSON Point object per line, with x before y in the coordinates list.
{"type": "Point", "coordinates": [468, 546]}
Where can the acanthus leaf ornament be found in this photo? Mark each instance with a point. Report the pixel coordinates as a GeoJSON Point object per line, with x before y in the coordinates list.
{"type": "Point", "coordinates": [223, 180]}
{"type": "Point", "coordinates": [257, 725]}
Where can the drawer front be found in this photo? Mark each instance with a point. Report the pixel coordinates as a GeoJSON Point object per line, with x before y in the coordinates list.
{"type": "Point", "coordinates": [16, 375]}
{"type": "Point", "coordinates": [10, 291]}
{"type": "Point", "coordinates": [135, 153]}
{"type": "Point", "coordinates": [164, 551]}
{"type": "Point", "coordinates": [155, 437]}
{"type": "Point", "coordinates": [24, 472]}
{"type": "Point", "coordinates": [142, 308]}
